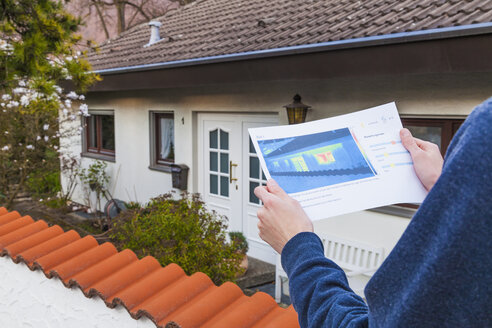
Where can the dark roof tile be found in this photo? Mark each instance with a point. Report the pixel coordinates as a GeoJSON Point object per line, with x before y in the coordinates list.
{"type": "Point", "coordinates": [214, 27]}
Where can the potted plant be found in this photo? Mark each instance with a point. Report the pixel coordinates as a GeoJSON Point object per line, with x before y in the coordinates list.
{"type": "Point", "coordinates": [239, 242]}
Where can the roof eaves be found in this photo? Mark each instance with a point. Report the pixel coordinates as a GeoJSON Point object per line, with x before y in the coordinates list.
{"type": "Point", "coordinates": [386, 39]}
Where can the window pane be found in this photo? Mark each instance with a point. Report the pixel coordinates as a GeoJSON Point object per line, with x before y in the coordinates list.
{"type": "Point", "coordinates": [214, 161]}
{"type": "Point", "coordinates": [263, 175]}
{"type": "Point", "coordinates": [224, 163]}
{"type": "Point", "coordinates": [252, 196]}
{"type": "Point", "coordinates": [214, 184]}
{"type": "Point", "coordinates": [428, 133]}
{"type": "Point", "coordinates": [107, 132]}
{"type": "Point", "coordinates": [92, 132]}
{"type": "Point", "coordinates": [251, 147]}
{"type": "Point", "coordinates": [224, 186]}
{"type": "Point", "coordinates": [254, 167]}
{"type": "Point", "coordinates": [213, 139]}
{"type": "Point", "coordinates": [224, 140]}
{"type": "Point", "coordinates": [456, 126]}
{"type": "Point", "coordinates": [166, 138]}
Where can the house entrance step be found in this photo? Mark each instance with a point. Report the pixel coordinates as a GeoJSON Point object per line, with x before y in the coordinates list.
{"type": "Point", "coordinates": [259, 273]}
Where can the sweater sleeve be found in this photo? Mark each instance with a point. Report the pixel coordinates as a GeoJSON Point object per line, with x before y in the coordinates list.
{"type": "Point", "coordinates": [318, 287]}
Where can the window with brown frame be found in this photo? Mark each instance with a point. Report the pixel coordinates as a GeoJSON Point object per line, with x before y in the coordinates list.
{"type": "Point", "coordinates": [438, 131]}
{"type": "Point", "coordinates": [99, 134]}
{"type": "Point", "coordinates": [162, 140]}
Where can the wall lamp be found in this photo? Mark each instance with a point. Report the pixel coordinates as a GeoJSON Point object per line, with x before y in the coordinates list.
{"type": "Point", "coordinates": [296, 112]}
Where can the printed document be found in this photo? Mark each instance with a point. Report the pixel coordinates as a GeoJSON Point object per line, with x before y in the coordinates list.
{"type": "Point", "coordinates": [341, 164]}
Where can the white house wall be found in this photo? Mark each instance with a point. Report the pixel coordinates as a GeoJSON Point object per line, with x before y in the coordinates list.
{"type": "Point", "coordinates": [452, 95]}
{"type": "Point", "coordinates": [29, 299]}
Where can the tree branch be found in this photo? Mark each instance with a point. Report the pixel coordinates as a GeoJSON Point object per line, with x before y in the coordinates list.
{"type": "Point", "coordinates": [139, 8]}
{"type": "Point", "coordinates": [101, 18]}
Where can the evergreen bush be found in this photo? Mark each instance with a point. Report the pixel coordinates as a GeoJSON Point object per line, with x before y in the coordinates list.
{"type": "Point", "coordinates": [180, 231]}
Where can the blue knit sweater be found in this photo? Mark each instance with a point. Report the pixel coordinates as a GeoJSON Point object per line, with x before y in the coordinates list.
{"type": "Point", "coordinates": [440, 272]}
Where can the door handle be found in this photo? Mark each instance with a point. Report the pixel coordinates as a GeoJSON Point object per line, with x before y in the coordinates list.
{"type": "Point", "coordinates": [231, 165]}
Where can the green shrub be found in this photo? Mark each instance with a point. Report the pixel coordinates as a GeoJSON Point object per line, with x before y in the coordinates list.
{"type": "Point", "coordinates": [179, 231]}
{"type": "Point", "coordinates": [239, 242]}
{"type": "Point", "coordinates": [43, 183]}
{"type": "Point", "coordinates": [56, 202]}
{"type": "Point", "coordinates": [133, 205]}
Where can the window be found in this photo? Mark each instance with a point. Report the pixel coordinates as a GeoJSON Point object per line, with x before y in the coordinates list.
{"type": "Point", "coordinates": [438, 131]}
{"type": "Point", "coordinates": [162, 140]}
{"type": "Point", "coordinates": [220, 165]}
{"type": "Point", "coordinates": [99, 135]}
{"type": "Point", "coordinates": [256, 176]}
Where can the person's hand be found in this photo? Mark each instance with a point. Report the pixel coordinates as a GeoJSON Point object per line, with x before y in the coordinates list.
{"type": "Point", "coordinates": [426, 156]}
{"type": "Point", "coordinates": [281, 216]}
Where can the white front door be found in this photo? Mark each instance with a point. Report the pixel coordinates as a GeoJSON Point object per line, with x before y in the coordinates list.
{"type": "Point", "coordinates": [229, 170]}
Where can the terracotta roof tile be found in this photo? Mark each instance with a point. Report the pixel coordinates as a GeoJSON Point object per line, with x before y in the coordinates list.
{"type": "Point", "coordinates": [125, 277]}
{"type": "Point", "coordinates": [13, 249]}
{"type": "Point", "coordinates": [8, 217]}
{"type": "Point", "coordinates": [14, 222]}
{"type": "Point", "coordinates": [63, 254]}
{"type": "Point", "coordinates": [28, 256]}
{"type": "Point", "coordinates": [214, 27]}
{"type": "Point", "coordinates": [173, 296]}
{"type": "Point", "coordinates": [85, 260]}
{"type": "Point", "coordinates": [167, 296]}
{"type": "Point", "coordinates": [95, 273]}
{"type": "Point", "coordinates": [26, 229]}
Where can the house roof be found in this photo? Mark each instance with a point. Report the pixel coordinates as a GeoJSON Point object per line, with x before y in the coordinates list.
{"type": "Point", "coordinates": [223, 29]}
{"type": "Point", "coordinates": [166, 295]}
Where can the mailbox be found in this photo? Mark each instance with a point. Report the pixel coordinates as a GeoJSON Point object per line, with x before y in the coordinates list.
{"type": "Point", "coordinates": [180, 176]}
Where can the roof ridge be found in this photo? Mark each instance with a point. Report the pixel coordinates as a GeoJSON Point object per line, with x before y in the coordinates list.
{"type": "Point", "coordinates": [118, 278]}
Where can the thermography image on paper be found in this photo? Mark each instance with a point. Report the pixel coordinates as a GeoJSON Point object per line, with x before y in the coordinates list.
{"type": "Point", "coordinates": [315, 160]}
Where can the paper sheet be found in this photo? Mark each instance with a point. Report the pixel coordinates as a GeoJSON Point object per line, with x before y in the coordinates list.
{"type": "Point", "coordinates": [341, 164]}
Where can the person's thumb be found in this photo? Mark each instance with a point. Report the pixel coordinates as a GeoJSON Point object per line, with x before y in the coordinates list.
{"type": "Point", "coordinates": [275, 189]}
{"type": "Point", "coordinates": [408, 141]}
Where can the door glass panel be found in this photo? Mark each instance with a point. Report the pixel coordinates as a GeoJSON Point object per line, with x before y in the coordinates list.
{"type": "Point", "coordinates": [214, 161]}
{"type": "Point", "coordinates": [224, 186]}
{"type": "Point", "coordinates": [429, 133]}
{"type": "Point", "coordinates": [254, 167]}
{"type": "Point", "coordinates": [263, 175]}
{"type": "Point", "coordinates": [224, 162]}
{"type": "Point", "coordinates": [252, 196]}
{"type": "Point", "coordinates": [213, 139]}
{"type": "Point", "coordinates": [251, 147]}
{"type": "Point", "coordinates": [214, 184]}
{"type": "Point", "coordinates": [224, 140]}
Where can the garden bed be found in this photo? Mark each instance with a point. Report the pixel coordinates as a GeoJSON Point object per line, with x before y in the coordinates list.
{"type": "Point", "coordinates": [60, 216]}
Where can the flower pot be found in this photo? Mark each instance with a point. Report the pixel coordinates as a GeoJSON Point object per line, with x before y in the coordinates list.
{"type": "Point", "coordinates": [243, 265]}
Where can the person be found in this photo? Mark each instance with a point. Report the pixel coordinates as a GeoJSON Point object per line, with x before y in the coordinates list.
{"type": "Point", "coordinates": [439, 274]}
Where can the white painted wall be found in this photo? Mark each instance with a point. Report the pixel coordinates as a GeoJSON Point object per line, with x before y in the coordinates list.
{"type": "Point", "coordinates": [441, 95]}
{"type": "Point", "coordinates": [29, 299]}
{"type": "Point", "coordinates": [449, 95]}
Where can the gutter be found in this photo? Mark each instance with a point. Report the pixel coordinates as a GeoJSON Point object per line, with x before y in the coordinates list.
{"type": "Point", "coordinates": [403, 37]}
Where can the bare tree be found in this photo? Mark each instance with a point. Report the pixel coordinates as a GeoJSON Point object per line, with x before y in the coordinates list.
{"type": "Point", "coordinates": [108, 18]}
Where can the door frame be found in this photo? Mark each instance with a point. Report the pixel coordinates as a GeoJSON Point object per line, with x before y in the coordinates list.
{"type": "Point", "coordinates": [258, 248]}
